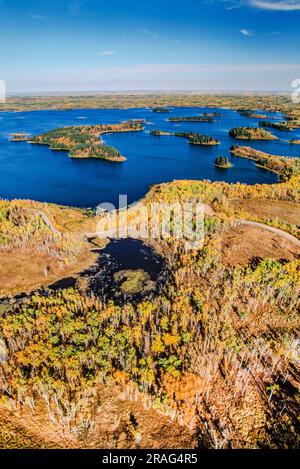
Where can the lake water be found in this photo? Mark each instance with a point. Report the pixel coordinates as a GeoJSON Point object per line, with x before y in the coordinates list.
{"type": "Point", "coordinates": [125, 254]}
{"type": "Point", "coordinates": [36, 172]}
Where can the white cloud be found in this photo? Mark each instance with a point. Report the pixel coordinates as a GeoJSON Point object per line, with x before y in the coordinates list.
{"type": "Point", "coordinates": [283, 5]}
{"type": "Point", "coordinates": [246, 32]}
{"type": "Point", "coordinates": [37, 17]}
{"type": "Point", "coordinates": [106, 53]}
{"type": "Point", "coordinates": [186, 69]}
{"type": "Point", "coordinates": [148, 32]}
{"type": "Point", "coordinates": [205, 77]}
{"type": "Point", "coordinates": [269, 5]}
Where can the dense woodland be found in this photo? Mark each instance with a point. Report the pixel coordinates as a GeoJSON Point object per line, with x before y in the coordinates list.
{"type": "Point", "coordinates": [84, 142]}
{"type": "Point", "coordinates": [286, 167]}
{"type": "Point", "coordinates": [286, 125]}
{"type": "Point", "coordinates": [204, 118]}
{"type": "Point", "coordinates": [216, 350]}
{"type": "Point", "coordinates": [193, 137]}
{"type": "Point", "coordinates": [251, 133]}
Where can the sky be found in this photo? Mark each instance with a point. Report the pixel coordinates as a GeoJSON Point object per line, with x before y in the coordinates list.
{"type": "Point", "coordinates": [119, 45]}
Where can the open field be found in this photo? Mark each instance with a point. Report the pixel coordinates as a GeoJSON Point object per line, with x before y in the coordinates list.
{"type": "Point", "coordinates": [20, 273]}
{"type": "Point", "coordinates": [264, 209]}
{"type": "Point", "coordinates": [242, 245]}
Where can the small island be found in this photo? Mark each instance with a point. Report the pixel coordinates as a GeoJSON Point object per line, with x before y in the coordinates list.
{"type": "Point", "coordinates": [203, 118]}
{"type": "Point", "coordinates": [251, 114]}
{"type": "Point", "coordinates": [212, 114]}
{"type": "Point", "coordinates": [161, 109]}
{"type": "Point", "coordinates": [83, 141]}
{"type": "Point", "coordinates": [193, 137]}
{"type": "Point", "coordinates": [251, 133]}
{"type": "Point", "coordinates": [160, 133]}
{"type": "Point", "coordinates": [258, 116]}
{"type": "Point", "coordinates": [19, 137]}
{"type": "Point", "coordinates": [222, 162]}
{"type": "Point", "coordinates": [285, 125]}
{"type": "Point", "coordinates": [199, 139]}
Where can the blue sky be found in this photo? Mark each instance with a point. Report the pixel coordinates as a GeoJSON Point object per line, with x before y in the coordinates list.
{"type": "Point", "coordinates": [69, 45]}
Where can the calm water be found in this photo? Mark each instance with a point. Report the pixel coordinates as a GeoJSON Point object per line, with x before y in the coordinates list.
{"type": "Point", "coordinates": [126, 254]}
{"type": "Point", "coordinates": [35, 172]}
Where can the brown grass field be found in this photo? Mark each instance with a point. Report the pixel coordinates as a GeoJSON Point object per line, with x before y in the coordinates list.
{"type": "Point", "coordinates": [283, 210]}
{"type": "Point", "coordinates": [242, 245]}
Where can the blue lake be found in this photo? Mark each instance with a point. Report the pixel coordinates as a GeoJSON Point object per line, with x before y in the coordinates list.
{"type": "Point", "coordinates": [36, 172]}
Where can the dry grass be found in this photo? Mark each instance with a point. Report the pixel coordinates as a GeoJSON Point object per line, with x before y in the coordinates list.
{"type": "Point", "coordinates": [118, 423]}
{"type": "Point", "coordinates": [24, 272]}
{"type": "Point", "coordinates": [284, 211]}
{"type": "Point", "coordinates": [65, 219]}
{"type": "Point", "coordinates": [242, 244]}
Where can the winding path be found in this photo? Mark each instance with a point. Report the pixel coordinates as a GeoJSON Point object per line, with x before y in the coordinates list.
{"type": "Point", "coordinates": [209, 211]}
{"type": "Point", "coordinates": [46, 220]}
{"type": "Point", "coordinates": [277, 231]}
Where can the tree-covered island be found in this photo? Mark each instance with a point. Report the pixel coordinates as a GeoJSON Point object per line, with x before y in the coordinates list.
{"type": "Point", "coordinates": [84, 142]}
{"type": "Point", "coordinates": [161, 109]}
{"type": "Point", "coordinates": [285, 125]}
{"type": "Point", "coordinates": [202, 118]}
{"type": "Point", "coordinates": [193, 137]}
{"type": "Point", "coordinates": [286, 167]}
{"type": "Point", "coordinates": [251, 133]}
{"type": "Point", "coordinates": [222, 162]}
{"type": "Point", "coordinates": [160, 133]}
{"type": "Point", "coordinates": [251, 114]}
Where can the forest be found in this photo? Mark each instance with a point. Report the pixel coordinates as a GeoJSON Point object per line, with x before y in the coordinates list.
{"type": "Point", "coordinates": [193, 137]}
{"type": "Point", "coordinates": [161, 110]}
{"type": "Point", "coordinates": [286, 125]}
{"type": "Point", "coordinates": [84, 142]}
{"type": "Point", "coordinates": [251, 133]}
{"type": "Point", "coordinates": [203, 118]}
{"type": "Point", "coordinates": [286, 167]}
{"type": "Point", "coordinates": [222, 162]}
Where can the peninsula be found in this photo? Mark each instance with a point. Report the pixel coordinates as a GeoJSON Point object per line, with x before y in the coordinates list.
{"type": "Point", "coordinates": [83, 141]}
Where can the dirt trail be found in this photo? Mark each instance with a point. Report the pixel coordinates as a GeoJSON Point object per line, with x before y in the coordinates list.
{"type": "Point", "coordinates": [276, 231]}
{"type": "Point", "coordinates": [47, 221]}
{"type": "Point", "coordinates": [209, 211]}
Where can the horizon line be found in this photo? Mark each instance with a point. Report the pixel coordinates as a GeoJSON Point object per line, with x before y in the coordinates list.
{"type": "Point", "coordinates": [129, 91]}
